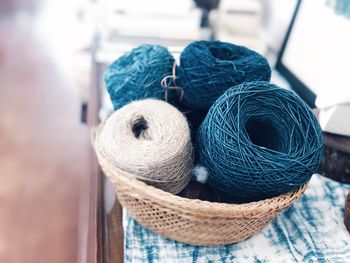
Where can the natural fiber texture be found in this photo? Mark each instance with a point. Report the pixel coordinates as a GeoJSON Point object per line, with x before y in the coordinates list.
{"type": "Point", "coordinates": [192, 221]}
{"type": "Point", "coordinates": [149, 139]}
{"type": "Point", "coordinates": [138, 74]}
{"type": "Point", "coordinates": [259, 141]}
{"type": "Point", "coordinates": [208, 68]}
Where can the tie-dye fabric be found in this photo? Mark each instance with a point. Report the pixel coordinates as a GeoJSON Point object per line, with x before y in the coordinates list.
{"type": "Point", "coordinates": [312, 230]}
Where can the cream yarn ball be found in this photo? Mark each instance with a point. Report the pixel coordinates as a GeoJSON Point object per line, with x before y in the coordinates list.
{"type": "Point", "coordinates": [149, 139]}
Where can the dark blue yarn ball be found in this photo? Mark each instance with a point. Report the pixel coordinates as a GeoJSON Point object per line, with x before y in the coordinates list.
{"type": "Point", "coordinates": [194, 117]}
{"type": "Point", "coordinates": [259, 141]}
{"type": "Point", "coordinates": [209, 68]}
{"type": "Point", "coordinates": [138, 74]}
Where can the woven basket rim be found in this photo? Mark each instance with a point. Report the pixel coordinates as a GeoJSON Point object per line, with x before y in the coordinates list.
{"type": "Point", "coordinates": [216, 209]}
{"type": "Point", "coordinates": [169, 199]}
{"type": "Point", "coordinates": [192, 206]}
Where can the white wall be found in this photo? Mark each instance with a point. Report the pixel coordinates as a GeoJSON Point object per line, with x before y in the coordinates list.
{"type": "Point", "coordinates": [278, 14]}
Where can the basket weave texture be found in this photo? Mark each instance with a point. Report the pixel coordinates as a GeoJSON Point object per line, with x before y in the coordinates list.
{"type": "Point", "coordinates": [192, 221]}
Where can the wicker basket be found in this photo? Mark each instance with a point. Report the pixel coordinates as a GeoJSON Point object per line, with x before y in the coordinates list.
{"type": "Point", "coordinates": [191, 221]}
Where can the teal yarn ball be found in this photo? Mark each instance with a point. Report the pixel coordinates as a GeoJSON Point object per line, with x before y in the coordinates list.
{"type": "Point", "coordinates": [138, 74]}
{"type": "Point", "coordinates": [258, 141]}
{"type": "Point", "coordinates": [209, 68]}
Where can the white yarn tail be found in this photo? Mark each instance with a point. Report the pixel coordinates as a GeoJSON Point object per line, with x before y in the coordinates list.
{"type": "Point", "coordinates": [201, 173]}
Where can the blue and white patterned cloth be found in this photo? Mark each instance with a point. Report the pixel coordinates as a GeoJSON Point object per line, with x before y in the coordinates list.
{"type": "Point", "coordinates": [312, 230]}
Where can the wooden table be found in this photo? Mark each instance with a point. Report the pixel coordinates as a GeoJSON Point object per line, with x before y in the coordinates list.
{"type": "Point", "coordinates": [336, 165]}
{"type": "Point", "coordinates": [336, 161]}
{"type": "Point", "coordinates": [107, 238]}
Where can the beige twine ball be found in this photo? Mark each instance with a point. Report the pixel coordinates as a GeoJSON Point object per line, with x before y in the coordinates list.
{"type": "Point", "coordinates": [149, 139]}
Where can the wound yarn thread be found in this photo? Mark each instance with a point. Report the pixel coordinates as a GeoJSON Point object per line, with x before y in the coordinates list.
{"type": "Point", "coordinates": [258, 141]}
{"type": "Point", "coordinates": [138, 74]}
{"type": "Point", "coordinates": [208, 68]}
{"type": "Point", "coordinates": [150, 139]}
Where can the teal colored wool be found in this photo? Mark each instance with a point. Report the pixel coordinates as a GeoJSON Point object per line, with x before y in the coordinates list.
{"type": "Point", "coordinates": [259, 141]}
{"type": "Point", "coordinates": [138, 74]}
{"type": "Point", "coordinates": [209, 68]}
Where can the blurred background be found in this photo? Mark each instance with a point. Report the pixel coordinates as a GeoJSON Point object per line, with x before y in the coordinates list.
{"type": "Point", "coordinates": [70, 30]}
{"type": "Point", "coordinates": [52, 57]}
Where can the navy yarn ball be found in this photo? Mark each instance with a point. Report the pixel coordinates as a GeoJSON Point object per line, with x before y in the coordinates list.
{"type": "Point", "coordinates": [194, 117]}
{"type": "Point", "coordinates": [209, 68]}
{"type": "Point", "coordinates": [259, 141]}
{"type": "Point", "coordinates": [138, 74]}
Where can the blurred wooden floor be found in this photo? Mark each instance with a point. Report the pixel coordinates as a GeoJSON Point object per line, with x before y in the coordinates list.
{"type": "Point", "coordinates": [43, 150]}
